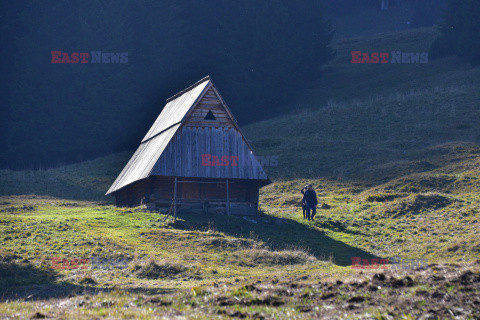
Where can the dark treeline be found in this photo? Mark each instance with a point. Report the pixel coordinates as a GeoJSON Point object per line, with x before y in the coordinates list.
{"type": "Point", "coordinates": [259, 53]}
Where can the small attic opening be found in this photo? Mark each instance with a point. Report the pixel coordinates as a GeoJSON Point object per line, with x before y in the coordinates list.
{"type": "Point", "coordinates": [210, 116]}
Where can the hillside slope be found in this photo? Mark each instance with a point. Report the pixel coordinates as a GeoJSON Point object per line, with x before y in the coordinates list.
{"type": "Point", "coordinates": [356, 122]}
{"type": "Point", "coordinates": [361, 116]}
{"type": "Point", "coordinates": [398, 177]}
{"type": "Point", "coordinates": [408, 158]}
{"type": "Point", "coordinates": [86, 180]}
{"type": "Point", "coordinates": [81, 260]}
{"type": "Point", "coordinates": [344, 81]}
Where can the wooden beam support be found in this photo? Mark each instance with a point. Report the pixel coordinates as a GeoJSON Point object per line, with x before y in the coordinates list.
{"type": "Point", "coordinates": [175, 201]}
{"type": "Point", "coordinates": [228, 200]}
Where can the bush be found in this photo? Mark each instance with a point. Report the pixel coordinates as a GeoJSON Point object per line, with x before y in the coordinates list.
{"type": "Point", "coordinates": [154, 270]}
{"type": "Point", "coordinates": [255, 257]}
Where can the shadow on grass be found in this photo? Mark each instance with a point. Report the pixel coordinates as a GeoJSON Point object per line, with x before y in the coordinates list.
{"type": "Point", "coordinates": [277, 233]}
{"type": "Point", "coordinates": [335, 226]}
{"type": "Point", "coordinates": [150, 291]}
{"type": "Point", "coordinates": [24, 281]}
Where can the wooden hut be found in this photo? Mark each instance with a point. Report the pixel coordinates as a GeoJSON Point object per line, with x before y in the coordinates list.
{"type": "Point", "coordinates": [194, 157]}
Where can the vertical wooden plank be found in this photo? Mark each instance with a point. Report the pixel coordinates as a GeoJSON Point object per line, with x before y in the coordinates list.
{"type": "Point", "coordinates": [216, 147]}
{"type": "Point", "coordinates": [233, 141]}
{"type": "Point", "coordinates": [186, 143]}
{"type": "Point", "coordinates": [175, 201]}
{"type": "Point", "coordinates": [228, 200]}
{"type": "Point", "coordinates": [196, 159]}
{"type": "Point", "coordinates": [181, 154]}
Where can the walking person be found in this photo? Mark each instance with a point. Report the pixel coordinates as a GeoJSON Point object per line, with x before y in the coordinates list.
{"type": "Point", "coordinates": [310, 199]}
{"type": "Point", "coordinates": [304, 207]}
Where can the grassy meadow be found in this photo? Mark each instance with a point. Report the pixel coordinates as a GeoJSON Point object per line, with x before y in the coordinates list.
{"type": "Point", "coordinates": [393, 153]}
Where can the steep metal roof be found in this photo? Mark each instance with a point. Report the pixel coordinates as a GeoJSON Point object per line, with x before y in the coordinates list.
{"type": "Point", "coordinates": [141, 163]}
{"type": "Point", "coordinates": [177, 107]}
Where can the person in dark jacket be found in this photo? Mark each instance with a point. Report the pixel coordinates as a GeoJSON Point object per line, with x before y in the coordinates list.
{"type": "Point", "coordinates": [310, 199]}
{"type": "Point", "coordinates": [304, 207]}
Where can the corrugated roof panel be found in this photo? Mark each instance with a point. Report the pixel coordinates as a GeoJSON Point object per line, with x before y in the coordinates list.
{"type": "Point", "coordinates": [143, 160]}
{"type": "Point", "coordinates": [176, 109]}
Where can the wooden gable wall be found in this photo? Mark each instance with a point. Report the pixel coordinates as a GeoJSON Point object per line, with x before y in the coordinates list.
{"type": "Point", "coordinates": [209, 102]}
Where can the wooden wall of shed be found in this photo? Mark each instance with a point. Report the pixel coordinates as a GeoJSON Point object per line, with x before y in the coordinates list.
{"type": "Point", "coordinates": [239, 190]}
{"type": "Point", "coordinates": [184, 156]}
{"type": "Point", "coordinates": [157, 188]}
{"type": "Point", "coordinates": [131, 196]}
{"type": "Point", "coordinates": [161, 187]}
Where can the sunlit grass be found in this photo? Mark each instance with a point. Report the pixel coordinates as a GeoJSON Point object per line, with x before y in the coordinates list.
{"type": "Point", "coordinates": [390, 181]}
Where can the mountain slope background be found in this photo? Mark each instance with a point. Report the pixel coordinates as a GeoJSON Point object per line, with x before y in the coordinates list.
{"type": "Point", "coordinates": [356, 122]}
{"type": "Point", "coordinates": [393, 152]}
{"type": "Point", "coordinates": [82, 110]}
{"type": "Point", "coordinates": [405, 144]}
